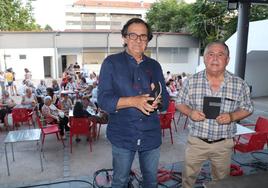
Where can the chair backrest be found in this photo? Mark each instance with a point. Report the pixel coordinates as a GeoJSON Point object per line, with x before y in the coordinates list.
{"type": "Point", "coordinates": [165, 120]}
{"type": "Point", "coordinates": [40, 125]}
{"type": "Point", "coordinates": [80, 126]}
{"type": "Point", "coordinates": [20, 115]}
{"type": "Point", "coordinates": [261, 125]}
{"type": "Point", "coordinates": [171, 106]}
{"type": "Point", "coordinates": [256, 142]}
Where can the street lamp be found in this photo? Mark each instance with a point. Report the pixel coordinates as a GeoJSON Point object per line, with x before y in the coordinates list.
{"type": "Point", "coordinates": [232, 4]}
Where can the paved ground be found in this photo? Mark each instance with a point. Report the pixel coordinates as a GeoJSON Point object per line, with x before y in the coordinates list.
{"type": "Point", "coordinates": [77, 169]}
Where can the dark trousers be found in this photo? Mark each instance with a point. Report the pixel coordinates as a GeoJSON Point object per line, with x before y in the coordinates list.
{"type": "Point", "coordinates": [63, 125]}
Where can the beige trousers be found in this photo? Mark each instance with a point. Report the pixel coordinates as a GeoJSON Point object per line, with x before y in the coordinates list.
{"type": "Point", "coordinates": [198, 151]}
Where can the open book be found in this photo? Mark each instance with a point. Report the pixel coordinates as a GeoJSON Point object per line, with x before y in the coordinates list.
{"type": "Point", "coordinates": [156, 92]}
{"type": "Point", "coordinates": [211, 107]}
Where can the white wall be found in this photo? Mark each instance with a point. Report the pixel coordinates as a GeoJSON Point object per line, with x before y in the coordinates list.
{"type": "Point", "coordinates": [257, 62]}
{"type": "Point", "coordinates": [257, 57]}
{"type": "Point", "coordinates": [34, 61]}
{"type": "Point", "coordinates": [256, 73]}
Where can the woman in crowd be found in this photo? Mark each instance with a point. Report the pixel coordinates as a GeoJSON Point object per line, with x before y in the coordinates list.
{"type": "Point", "coordinates": [172, 93]}
{"type": "Point", "coordinates": [80, 112]}
{"type": "Point", "coordinates": [29, 100]}
{"type": "Point", "coordinates": [6, 106]}
{"type": "Point", "coordinates": [54, 97]}
{"type": "Point", "coordinates": [55, 86]}
{"type": "Point", "coordinates": [71, 86]}
{"type": "Point", "coordinates": [28, 74]}
{"type": "Point", "coordinates": [54, 115]}
{"type": "Point", "coordinates": [41, 89]}
{"type": "Point", "coordinates": [9, 80]}
{"type": "Point", "coordinates": [65, 103]}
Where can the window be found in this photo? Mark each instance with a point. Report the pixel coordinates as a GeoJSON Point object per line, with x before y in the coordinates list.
{"type": "Point", "coordinates": [173, 55]}
{"type": "Point", "coordinates": [22, 56]}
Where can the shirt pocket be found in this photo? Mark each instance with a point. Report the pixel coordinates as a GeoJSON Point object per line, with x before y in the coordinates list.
{"type": "Point", "coordinates": [229, 104]}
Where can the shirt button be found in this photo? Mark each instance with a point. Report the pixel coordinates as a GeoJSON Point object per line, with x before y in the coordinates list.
{"type": "Point", "coordinates": [139, 79]}
{"type": "Point", "coordinates": [140, 92]}
{"type": "Point", "coordinates": [140, 119]}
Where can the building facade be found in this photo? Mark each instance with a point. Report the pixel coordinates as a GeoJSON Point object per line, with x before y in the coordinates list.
{"type": "Point", "coordinates": [47, 54]}
{"type": "Point", "coordinates": [107, 15]}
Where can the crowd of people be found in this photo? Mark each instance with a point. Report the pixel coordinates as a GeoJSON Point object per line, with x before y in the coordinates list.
{"type": "Point", "coordinates": [174, 83]}
{"type": "Point", "coordinates": [51, 100]}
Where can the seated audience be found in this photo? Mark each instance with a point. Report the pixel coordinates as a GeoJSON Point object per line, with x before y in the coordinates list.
{"type": "Point", "coordinates": [55, 86]}
{"type": "Point", "coordinates": [172, 93]}
{"type": "Point", "coordinates": [80, 112]}
{"type": "Point", "coordinates": [54, 115]}
{"type": "Point", "coordinates": [6, 106]}
{"type": "Point", "coordinates": [65, 103]}
{"type": "Point", "coordinates": [41, 89]}
{"type": "Point", "coordinates": [29, 100]}
{"type": "Point", "coordinates": [54, 97]}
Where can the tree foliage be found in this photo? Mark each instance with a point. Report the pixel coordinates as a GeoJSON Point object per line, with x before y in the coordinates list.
{"type": "Point", "coordinates": [48, 28]}
{"type": "Point", "coordinates": [168, 16]}
{"type": "Point", "coordinates": [14, 16]}
{"type": "Point", "coordinates": [205, 19]}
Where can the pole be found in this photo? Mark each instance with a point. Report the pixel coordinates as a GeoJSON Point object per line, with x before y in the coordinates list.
{"type": "Point", "coordinates": [242, 38]}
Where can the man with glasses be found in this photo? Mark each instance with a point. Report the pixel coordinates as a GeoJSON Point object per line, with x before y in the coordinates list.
{"type": "Point", "coordinates": [125, 81]}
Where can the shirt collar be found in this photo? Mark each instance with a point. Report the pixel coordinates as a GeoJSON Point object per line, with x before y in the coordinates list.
{"type": "Point", "coordinates": [130, 58]}
{"type": "Point", "coordinates": [227, 76]}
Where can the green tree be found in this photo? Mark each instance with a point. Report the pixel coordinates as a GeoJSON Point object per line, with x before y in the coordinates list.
{"type": "Point", "coordinates": [204, 19]}
{"type": "Point", "coordinates": [207, 21]}
{"type": "Point", "coordinates": [16, 17]}
{"type": "Point", "coordinates": [257, 12]}
{"type": "Point", "coordinates": [168, 16]}
{"type": "Point", "coordinates": [48, 28]}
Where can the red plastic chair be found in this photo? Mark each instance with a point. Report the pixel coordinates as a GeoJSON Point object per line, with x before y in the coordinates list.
{"type": "Point", "coordinates": [256, 142]}
{"type": "Point", "coordinates": [49, 129]}
{"type": "Point", "coordinates": [172, 109]}
{"type": "Point", "coordinates": [21, 115]}
{"type": "Point", "coordinates": [165, 122]}
{"type": "Point", "coordinates": [81, 126]}
{"type": "Point", "coordinates": [260, 126]}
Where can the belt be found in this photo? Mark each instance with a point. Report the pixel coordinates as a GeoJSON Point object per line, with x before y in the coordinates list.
{"type": "Point", "coordinates": [211, 141]}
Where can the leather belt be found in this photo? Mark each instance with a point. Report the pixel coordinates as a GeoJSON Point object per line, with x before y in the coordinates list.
{"type": "Point", "coordinates": [211, 141]}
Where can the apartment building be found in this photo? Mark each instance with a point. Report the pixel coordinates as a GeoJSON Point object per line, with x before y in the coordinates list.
{"type": "Point", "coordinates": [103, 15]}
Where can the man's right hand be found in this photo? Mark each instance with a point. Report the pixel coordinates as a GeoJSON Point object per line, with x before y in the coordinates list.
{"type": "Point", "coordinates": [141, 102]}
{"type": "Point", "coordinates": [196, 115]}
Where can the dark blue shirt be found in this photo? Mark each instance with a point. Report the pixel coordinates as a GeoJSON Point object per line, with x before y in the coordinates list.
{"type": "Point", "coordinates": [122, 76]}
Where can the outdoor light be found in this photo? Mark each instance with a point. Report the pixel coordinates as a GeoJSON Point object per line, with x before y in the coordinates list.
{"type": "Point", "coordinates": [232, 4]}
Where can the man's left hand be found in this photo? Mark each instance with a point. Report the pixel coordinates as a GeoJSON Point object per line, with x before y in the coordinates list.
{"type": "Point", "coordinates": [224, 118]}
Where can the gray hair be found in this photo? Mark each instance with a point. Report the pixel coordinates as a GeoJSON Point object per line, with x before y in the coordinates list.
{"type": "Point", "coordinates": [226, 48]}
{"type": "Point", "coordinates": [47, 98]}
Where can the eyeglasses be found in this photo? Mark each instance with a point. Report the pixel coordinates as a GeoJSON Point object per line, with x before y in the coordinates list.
{"type": "Point", "coordinates": [134, 36]}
